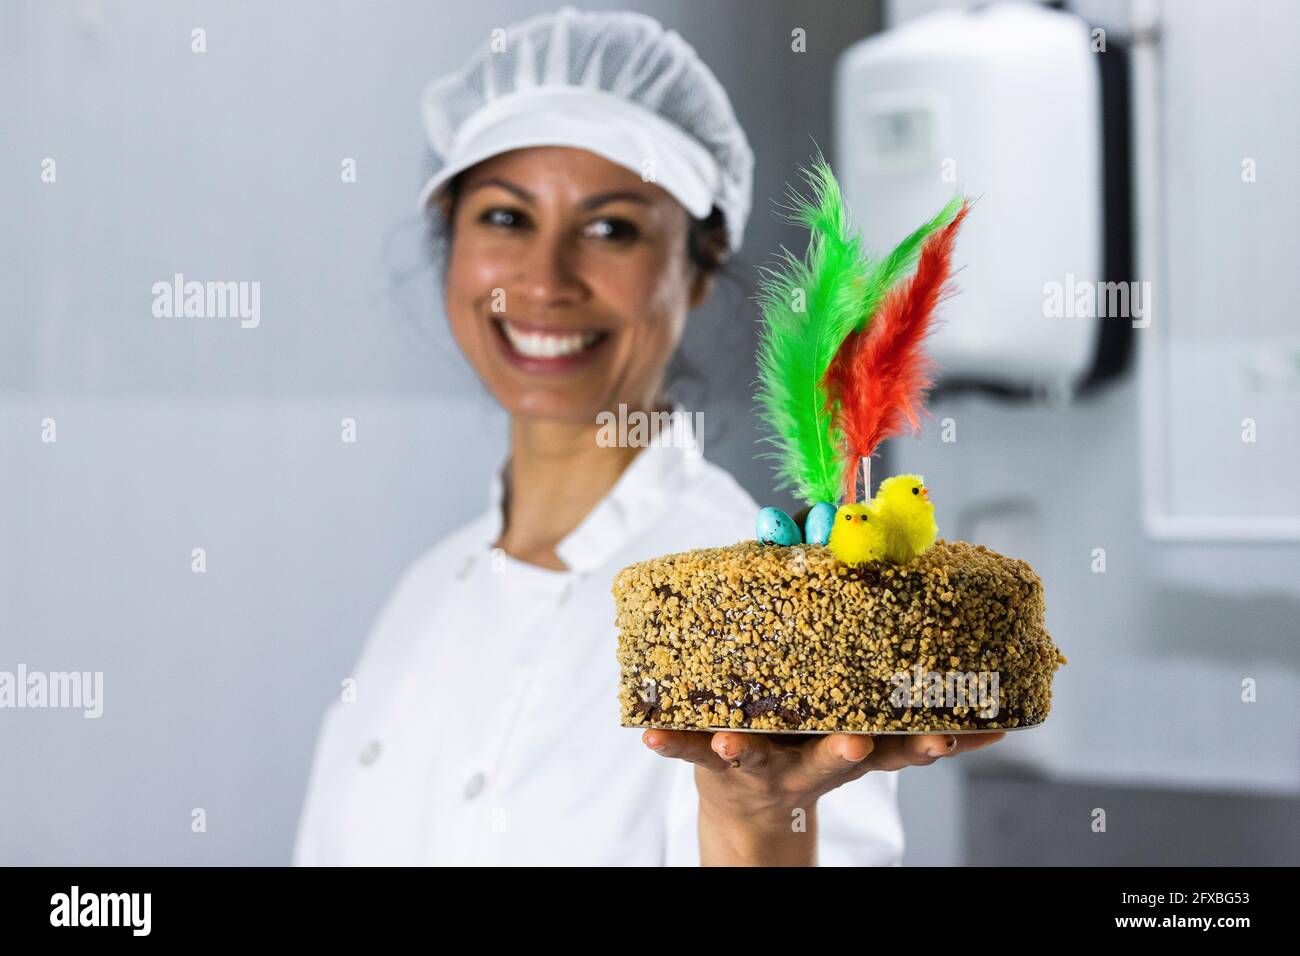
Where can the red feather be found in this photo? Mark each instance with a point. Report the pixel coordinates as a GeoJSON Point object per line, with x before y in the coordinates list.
{"type": "Point", "coordinates": [878, 379]}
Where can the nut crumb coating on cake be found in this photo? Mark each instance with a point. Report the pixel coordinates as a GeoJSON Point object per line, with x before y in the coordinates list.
{"type": "Point", "coordinates": [770, 638]}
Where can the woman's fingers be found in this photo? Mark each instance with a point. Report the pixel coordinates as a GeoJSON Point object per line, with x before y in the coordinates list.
{"type": "Point", "coordinates": [933, 745]}
{"type": "Point", "coordinates": [894, 752]}
{"type": "Point", "coordinates": [823, 758]}
{"type": "Point", "coordinates": [826, 762]}
{"type": "Point", "coordinates": [845, 757]}
{"type": "Point", "coordinates": [925, 749]}
{"type": "Point", "coordinates": [748, 752]}
{"type": "Point", "coordinates": [836, 754]}
{"type": "Point", "coordinates": [689, 745]}
{"type": "Point", "coordinates": [967, 742]}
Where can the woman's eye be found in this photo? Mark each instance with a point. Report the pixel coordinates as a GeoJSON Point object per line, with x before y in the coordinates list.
{"type": "Point", "coordinates": [616, 229]}
{"type": "Point", "coordinates": [500, 216]}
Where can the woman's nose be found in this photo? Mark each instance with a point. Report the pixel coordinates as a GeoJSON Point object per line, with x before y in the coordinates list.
{"type": "Point", "coordinates": [548, 271]}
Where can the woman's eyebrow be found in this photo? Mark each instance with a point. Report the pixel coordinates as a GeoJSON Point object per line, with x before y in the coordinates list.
{"type": "Point", "coordinates": [519, 191]}
{"type": "Point", "coordinates": [591, 202]}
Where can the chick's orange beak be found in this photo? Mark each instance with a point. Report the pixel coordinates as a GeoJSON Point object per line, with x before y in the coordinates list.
{"type": "Point", "coordinates": [925, 493]}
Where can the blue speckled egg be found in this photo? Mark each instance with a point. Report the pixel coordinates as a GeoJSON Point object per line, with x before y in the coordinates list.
{"type": "Point", "coordinates": [821, 519]}
{"type": "Point", "coordinates": [774, 526]}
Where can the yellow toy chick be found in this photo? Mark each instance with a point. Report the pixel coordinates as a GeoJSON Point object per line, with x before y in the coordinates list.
{"type": "Point", "coordinates": [857, 535]}
{"type": "Point", "coordinates": [906, 516]}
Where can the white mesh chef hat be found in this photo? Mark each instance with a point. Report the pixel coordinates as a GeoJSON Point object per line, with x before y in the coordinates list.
{"type": "Point", "coordinates": [614, 83]}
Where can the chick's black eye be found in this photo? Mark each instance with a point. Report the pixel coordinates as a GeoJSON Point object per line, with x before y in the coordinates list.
{"type": "Point", "coordinates": [848, 517]}
{"type": "Point", "coordinates": [916, 491]}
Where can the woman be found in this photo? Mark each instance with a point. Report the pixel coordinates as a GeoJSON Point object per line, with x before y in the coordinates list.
{"type": "Point", "coordinates": [591, 177]}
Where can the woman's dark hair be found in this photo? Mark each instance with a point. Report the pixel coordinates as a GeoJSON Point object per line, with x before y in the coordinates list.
{"type": "Point", "coordinates": [706, 245]}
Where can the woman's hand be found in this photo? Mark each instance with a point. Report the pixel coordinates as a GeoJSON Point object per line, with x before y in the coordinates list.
{"type": "Point", "coordinates": [752, 785]}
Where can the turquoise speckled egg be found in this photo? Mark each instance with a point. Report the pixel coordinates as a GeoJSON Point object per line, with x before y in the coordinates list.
{"type": "Point", "coordinates": [821, 519]}
{"type": "Point", "coordinates": [774, 526]}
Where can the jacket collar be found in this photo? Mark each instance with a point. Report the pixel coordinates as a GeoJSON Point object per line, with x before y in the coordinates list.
{"type": "Point", "coordinates": [646, 487]}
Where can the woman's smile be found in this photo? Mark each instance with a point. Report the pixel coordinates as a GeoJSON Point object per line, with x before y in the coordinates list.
{"type": "Point", "coordinates": [531, 347]}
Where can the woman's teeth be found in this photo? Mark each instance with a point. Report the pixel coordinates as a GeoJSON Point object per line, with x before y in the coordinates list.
{"type": "Point", "coordinates": [537, 345]}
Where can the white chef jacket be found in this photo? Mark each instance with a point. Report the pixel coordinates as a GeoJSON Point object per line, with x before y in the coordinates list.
{"type": "Point", "coordinates": [485, 726]}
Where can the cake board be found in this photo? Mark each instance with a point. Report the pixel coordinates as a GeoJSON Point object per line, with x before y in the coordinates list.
{"type": "Point", "coordinates": [823, 733]}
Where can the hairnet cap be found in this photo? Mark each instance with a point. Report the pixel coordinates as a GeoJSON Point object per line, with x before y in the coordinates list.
{"type": "Point", "coordinates": [614, 83]}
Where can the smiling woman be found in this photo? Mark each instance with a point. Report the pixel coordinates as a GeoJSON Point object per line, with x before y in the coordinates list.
{"type": "Point", "coordinates": [589, 179]}
{"type": "Point", "coordinates": [604, 218]}
{"type": "Point", "coordinates": [569, 280]}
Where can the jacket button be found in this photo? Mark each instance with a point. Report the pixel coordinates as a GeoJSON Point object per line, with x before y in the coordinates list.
{"type": "Point", "coordinates": [369, 753]}
{"type": "Point", "coordinates": [474, 786]}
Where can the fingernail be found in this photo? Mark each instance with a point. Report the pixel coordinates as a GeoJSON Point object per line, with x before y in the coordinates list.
{"type": "Point", "coordinates": [947, 748]}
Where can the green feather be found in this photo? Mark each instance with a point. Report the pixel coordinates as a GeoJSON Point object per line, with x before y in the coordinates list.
{"type": "Point", "coordinates": [808, 308]}
{"type": "Point", "coordinates": [882, 276]}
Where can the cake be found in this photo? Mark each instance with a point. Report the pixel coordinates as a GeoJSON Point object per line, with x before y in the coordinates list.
{"type": "Point", "coordinates": [856, 617]}
{"type": "Point", "coordinates": [757, 637]}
